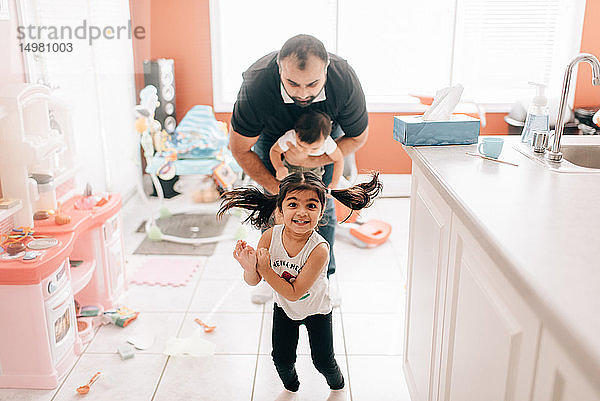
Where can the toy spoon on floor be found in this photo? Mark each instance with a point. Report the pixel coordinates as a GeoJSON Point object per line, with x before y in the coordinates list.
{"type": "Point", "coordinates": [86, 388]}
{"type": "Point", "coordinates": [207, 328]}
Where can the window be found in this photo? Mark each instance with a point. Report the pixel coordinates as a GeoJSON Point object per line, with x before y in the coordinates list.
{"type": "Point", "coordinates": [95, 79]}
{"type": "Point", "coordinates": [492, 47]}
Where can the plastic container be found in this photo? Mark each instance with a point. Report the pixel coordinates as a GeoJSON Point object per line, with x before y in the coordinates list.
{"type": "Point", "coordinates": [85, 329]}
{"type": "Point", "coordinates": [47, 194]}
{"type": "Point", "coordinates": [537, 115]}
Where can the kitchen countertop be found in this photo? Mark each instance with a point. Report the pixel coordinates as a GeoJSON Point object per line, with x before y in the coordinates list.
{"type": "Point", "coordinates": [542, 228]}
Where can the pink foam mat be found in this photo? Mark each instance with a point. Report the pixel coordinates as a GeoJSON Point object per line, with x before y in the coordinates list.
{"type": "Point", "coordinates": [165, 271]}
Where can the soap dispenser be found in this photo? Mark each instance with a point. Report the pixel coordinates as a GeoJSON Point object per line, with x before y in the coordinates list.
{"type": "Point", "coordinates": [537, 115]}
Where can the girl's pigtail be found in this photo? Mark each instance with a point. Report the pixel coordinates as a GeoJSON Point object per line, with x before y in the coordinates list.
{"type": "Point", "coordinates": [361, 195]}
{"type": "Point", "coordinates": [260, 204]}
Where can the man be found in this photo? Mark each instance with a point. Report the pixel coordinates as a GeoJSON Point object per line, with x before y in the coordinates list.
{"type": "Point", "coordinates": [276, 90]}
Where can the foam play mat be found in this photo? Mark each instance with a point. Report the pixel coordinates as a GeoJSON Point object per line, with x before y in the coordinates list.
{"type": "Point", "coordinates": [161, 271]}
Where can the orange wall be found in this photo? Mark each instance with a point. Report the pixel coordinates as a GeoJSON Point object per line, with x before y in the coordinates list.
{"type": "Point", "coordinates": [181, 30]}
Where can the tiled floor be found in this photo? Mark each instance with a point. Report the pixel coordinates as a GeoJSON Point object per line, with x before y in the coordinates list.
{"type": "Point", "coordinates": [368, 328]}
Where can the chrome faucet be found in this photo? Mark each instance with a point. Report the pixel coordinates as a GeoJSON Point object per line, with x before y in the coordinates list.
{"type": "Point", "coordinates": [555, 154]}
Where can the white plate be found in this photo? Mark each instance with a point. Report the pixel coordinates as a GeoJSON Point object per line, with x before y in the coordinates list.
{"type": "Point", "coordinates": [42, 243]}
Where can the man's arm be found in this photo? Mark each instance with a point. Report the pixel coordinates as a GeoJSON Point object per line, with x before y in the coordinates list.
{"type": "Point", "coordinates": [347, 145]}
{"type": "Point", "coordinates": [275, 156]}
{"type": "Point", "coordinates": [338, 167]}
{"type": "Point", "coordinates": [250, 162]}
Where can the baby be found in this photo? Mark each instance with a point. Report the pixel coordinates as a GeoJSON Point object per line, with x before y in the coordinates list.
{"type": "Point", "coordinates": [311, 135]}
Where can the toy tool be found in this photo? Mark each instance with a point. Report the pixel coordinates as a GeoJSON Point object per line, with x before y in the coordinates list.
{"type": "Point", "coordinates": [207, 328]}
{"type": "Point", "coordinates": [86, 388]}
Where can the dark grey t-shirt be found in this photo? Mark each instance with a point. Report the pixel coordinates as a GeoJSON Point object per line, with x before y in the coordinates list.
{"type": "Point", "coordinates": [260, 109]}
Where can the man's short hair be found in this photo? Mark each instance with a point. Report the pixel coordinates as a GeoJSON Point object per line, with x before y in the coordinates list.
{"type": "Point", "coordinates": [312, 125]}
{"type": "Point", "coordinates": [300, 46]}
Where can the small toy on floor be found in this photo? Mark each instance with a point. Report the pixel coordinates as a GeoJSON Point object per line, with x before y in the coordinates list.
{"type": "Point", "coordinates": [121, 317]}
{"type": "Point", "coordinates": [207, 328]}
{"type": "Point", "coordinates": [86, 388]}
{"type": "Point", "coordinates": [126, 351]}
{"type": "Point", "coordinates": [89, 310]}
{"type": "Point", "coordinates": [85, 329]}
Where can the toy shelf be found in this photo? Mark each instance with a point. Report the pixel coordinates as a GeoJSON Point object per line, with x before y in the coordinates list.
{"type": "Point", "coordinates": [81, 275]}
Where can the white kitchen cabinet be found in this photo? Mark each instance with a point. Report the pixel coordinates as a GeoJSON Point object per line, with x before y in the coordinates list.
{"type": "Point", "coordinates": [430, 219]}
{"type": "Point", "coordinates": [558, 378]}
{"type": "Point", "coordinates": [492, 289]}
{"type": "Point", "coordinates": [490, 334]}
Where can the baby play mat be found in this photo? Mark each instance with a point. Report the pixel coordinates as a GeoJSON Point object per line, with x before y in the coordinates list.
{"type": "Point", "coordinates": [185, 225]}
{"type": "Point", "coordinates": [172, 272]}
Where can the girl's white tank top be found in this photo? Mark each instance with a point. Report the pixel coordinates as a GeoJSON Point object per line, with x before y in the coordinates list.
{"type": "Point", "coordinates": [316, 300]}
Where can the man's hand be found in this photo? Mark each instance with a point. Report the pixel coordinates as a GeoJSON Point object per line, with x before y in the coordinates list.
{"type": "Point", "coordinates": [281, 173]}
{"type": "Point", "coordinates": [241, 149]}
{"type": "Point", "coordinates": [263, 259]}
{"type": "Point", "coordinates": [245, 255]}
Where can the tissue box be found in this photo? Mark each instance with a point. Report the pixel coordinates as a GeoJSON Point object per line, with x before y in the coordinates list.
{"type": "Point", "coordinates": [413, 131]}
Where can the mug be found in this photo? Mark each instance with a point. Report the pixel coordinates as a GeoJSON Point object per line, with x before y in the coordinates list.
{"type": "Point", "coordinates": [490, 146]}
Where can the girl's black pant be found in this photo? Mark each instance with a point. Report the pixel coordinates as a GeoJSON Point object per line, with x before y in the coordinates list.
{"type": "Point", "coordinates": [320, 336]}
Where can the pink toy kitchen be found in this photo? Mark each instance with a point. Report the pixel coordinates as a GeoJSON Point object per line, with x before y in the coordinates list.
{"type": "Point", "coordinates": [61, 245]}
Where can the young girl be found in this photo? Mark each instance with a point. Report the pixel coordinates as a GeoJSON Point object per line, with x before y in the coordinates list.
{"type": "Point", "coordinates": [292, 258]}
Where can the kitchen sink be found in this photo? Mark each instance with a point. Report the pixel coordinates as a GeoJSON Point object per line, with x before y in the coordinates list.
{"type": "Point", "coordinates": [581, 154]}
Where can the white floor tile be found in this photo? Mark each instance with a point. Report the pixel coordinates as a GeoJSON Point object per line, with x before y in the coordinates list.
{"type": "Point", "coordinates": [313, 386]}
{"type": "Point", "coordinates": [266, 344]}
{"type": "Point", "coordinates": [222, 267]}
{"type": "Point", "coordinates": [367, 334]}
{"type": "Point", "coordinates": [235, 333]}
{"type": "Point", "coordinates": [214, 378]}
{"type": "Point", "coordinates": [377, 378]}
{"type": "Point", "coordinates": [396, 185]}
{"type": "Point", "coordinates": [366, 264]}
{"type": "Point", "coordinates": [397, 213]}
{"type": "Point", "coordinates": [373, 297]}
{"type": "Point", "coordinates": [223, 296]}
{"type": "Point", "coordinates": [160, 325]}
{"type": "Point", "coordinates": [132, 379]}
{"type": "Point", "coordinates": [146, 298]}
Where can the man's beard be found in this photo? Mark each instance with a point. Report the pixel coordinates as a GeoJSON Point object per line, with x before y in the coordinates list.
{"type": "Point", "coordinates": [303, 103]}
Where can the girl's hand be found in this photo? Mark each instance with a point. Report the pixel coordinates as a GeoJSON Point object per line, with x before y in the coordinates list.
{"type": "Point", "coordinates": [245, 255]}
{"type": "Point", "coordinates": [263, 259]}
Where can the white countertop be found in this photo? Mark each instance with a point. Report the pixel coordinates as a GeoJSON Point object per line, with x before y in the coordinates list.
{"type": "Point", "coordinates": [541, 227]}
